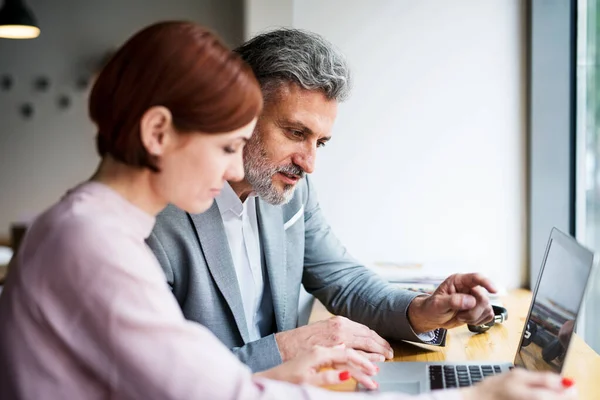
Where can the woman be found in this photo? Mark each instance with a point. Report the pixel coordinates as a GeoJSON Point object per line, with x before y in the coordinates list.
{"type": "Point", "coordinates": [86, 312]}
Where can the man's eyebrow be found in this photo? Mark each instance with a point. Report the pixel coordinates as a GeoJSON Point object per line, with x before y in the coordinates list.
{"type": "Point", "coordinates": [303, 128]}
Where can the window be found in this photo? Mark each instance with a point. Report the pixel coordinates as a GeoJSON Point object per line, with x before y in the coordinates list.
{"type": "Point", "coordinates": [564, 135]}
{"type": "Point", "coordinates": [588, 154]}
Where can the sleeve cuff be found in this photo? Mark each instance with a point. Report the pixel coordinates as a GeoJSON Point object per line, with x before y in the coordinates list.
{"type": "Point", "coordinates": [436, 337]}
{"type": "Point", "coordinates": [260, 355]}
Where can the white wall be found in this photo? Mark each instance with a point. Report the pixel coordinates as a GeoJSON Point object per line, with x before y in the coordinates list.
{"type": "Point", "coordinates": [261, 15]}
{"type": "Point", "coordinates": [42, 157]}
{"type": "Point", "coordinates": [427, 163]}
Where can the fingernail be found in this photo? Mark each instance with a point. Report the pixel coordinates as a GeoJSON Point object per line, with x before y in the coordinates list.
{"type": "Point", "coordinates": [468, 302]}
{"type": "Point", "coordinates": [344, 375]}
{"type": "Point", "coordinates": [391, 355]}
{"type": "Point", "coordinates": [567, 382]}
{"type": "Point", "coordinates": [381, 358]}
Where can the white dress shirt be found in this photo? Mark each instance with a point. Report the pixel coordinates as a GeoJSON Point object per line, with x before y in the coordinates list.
{"type": "Point", "coordinates": [241, 227]}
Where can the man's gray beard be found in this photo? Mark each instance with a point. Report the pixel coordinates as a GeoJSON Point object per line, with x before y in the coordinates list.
{"type": "Point", "coordinates": [259, 174]}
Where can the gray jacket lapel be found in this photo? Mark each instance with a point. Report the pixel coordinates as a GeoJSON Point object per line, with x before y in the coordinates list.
{"type": "Point", "coordinates": [272, 237]}
{"type": "Point", "coordinates": [214, 244]}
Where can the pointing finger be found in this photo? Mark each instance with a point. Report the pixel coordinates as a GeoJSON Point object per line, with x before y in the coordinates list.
{"type": "Point", "coordinates": [464, 282]}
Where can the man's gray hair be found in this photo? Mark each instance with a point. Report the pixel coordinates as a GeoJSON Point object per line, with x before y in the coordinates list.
{"type": "Point", "coordinates": [298, 56]}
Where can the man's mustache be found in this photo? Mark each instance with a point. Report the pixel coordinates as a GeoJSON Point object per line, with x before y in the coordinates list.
{"type": "Point", "coordinates": [292, 169]}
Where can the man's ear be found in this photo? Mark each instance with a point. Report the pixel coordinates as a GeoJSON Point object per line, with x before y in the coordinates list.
{"type": "Point", "coordinates": [156, 130]}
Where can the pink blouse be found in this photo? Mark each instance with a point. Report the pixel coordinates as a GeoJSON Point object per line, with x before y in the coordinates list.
{"type": "Point", "coordinates": [87, 314]}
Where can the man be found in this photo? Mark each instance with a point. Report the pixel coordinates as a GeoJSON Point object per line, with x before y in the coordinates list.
{"type": "Point", "coordinates": [238, 268]}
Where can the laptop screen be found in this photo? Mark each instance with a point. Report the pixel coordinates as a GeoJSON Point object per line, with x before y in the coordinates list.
{"type": "Point", "coordinates": [556, 301]}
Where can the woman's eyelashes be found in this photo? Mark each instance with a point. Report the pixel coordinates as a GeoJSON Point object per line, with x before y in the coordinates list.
{"type": "Point", "coordinates": [235, 148]}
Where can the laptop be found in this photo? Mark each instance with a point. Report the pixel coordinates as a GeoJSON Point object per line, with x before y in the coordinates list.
{"type": "Point", "coordinates": [546, 337]}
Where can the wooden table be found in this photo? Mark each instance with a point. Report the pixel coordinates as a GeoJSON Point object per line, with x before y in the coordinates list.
{"type": "Point", "coordinates": [498, 344]}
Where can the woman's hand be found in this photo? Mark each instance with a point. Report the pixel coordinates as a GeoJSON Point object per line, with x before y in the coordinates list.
{"type": "Point", "coordinates": [341, 364]}
{"type": "Point", "coordinates": [520, 384]}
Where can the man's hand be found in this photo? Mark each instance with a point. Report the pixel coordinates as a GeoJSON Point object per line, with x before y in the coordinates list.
{"type": "Point", "coordinates": [331, 332]}
{"type": "Point", "coordinates": [460, 299]}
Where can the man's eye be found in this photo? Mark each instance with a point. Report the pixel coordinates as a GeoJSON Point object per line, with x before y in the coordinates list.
{"type": "Point", "coordinates": [321, 144]}
{"type": "Point", "coordinates": [296, 133]}
{"type": "Point", "coordinates": [229, 150]}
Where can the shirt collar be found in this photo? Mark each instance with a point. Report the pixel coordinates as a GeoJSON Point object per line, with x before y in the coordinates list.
{"type": "Point", "coordinates": [228, 201]}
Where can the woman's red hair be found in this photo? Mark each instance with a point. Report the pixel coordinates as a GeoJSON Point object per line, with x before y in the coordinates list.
{"type": "Point", "coordinates": [181, 66]}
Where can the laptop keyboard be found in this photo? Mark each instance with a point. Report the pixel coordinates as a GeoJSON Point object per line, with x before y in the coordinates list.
{"type": "Point", "coordinates": [452, 376]}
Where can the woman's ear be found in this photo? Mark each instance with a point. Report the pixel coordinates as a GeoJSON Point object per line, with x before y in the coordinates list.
{"type": "Point", "coordinates": [156, 130]}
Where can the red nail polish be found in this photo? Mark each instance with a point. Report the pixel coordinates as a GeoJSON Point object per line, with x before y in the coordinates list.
{"type": "Point", "coordinates": [344, 375]}
{"type": "Point", "coordinates": [567, 382]}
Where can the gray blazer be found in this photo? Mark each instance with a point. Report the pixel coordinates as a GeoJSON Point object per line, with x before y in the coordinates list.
{"type": "Point", "coordinates": [299, 248]}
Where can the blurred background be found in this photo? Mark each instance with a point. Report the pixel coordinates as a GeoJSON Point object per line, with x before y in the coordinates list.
{"type": "Point", "coordinates": [471, 131]}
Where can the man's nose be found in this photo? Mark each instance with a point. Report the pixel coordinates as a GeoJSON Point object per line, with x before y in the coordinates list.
{"type": "Point", "coordinates": [306, 160]}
